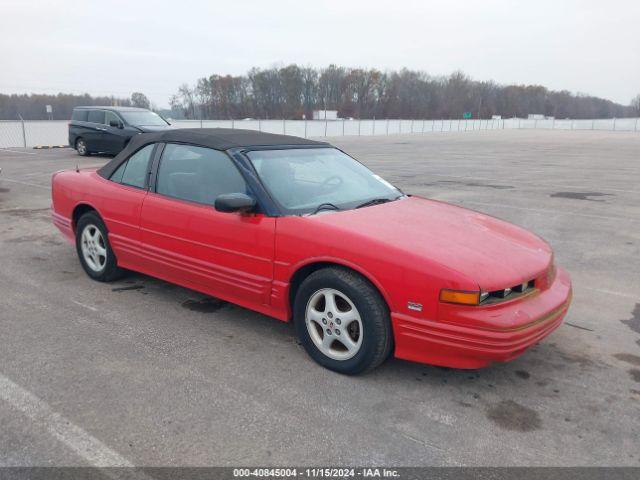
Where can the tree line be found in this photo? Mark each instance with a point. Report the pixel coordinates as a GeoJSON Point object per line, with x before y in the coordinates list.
{"type": "Point", "coordinates": [293, 92]}
{"type": "Point", "coordinates": [33, 106]}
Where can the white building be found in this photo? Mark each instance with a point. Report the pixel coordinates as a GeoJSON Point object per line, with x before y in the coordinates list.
{"type": "Point", "coordinates": [538, 116]}
{"type": "Point", "coordinates": [325, 114]}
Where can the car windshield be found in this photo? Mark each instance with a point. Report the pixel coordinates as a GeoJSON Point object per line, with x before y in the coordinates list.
{"type": "Point", "coordinates": [307, 180]}
{"type": "Point", "coordinates": [143, 118]}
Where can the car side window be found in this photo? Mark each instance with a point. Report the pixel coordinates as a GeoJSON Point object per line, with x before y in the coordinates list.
{"type": "Point", "coordinates": [80, 115]}
{"type": "Point", "coordinates": [96, 116]}
{"type": "Point", "coordinates": [197, 174]}
{"type": "Point", "coordinates": [133, 172]}
{"type": "Point", "coordinates": [117, 175]}
{"type": "Point", "coordinates": [111, 117]}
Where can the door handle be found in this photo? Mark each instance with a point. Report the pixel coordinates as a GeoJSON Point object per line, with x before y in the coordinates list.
{"type": "Point", "coordinates": [101, 129]}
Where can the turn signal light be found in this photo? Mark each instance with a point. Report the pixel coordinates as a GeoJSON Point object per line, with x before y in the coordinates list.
{"type": "Point", "coordinates": [460, 296]}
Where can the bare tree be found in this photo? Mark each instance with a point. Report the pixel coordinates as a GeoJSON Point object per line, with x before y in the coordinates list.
{"type": "Point", "coordinates": [635, 104]}
{"type": "Point", "coordinates": [186, 96]}
{"type": "Point", "coordinates": [140, 100]}
{"type": "Point", "coordinates": [309, 90]}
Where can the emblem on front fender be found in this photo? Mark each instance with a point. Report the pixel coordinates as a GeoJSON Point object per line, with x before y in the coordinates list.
{"type": "Point", "coordinates": [414, 306]}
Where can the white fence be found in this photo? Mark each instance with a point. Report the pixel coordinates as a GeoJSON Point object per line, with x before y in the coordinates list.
{"type": "Point", "coordinates": [16, 134]}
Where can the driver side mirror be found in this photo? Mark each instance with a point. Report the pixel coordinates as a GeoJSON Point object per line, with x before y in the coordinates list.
{"type": "Point", "coordinates": [234, 202]}
{"type": "Point", "coordinates": [116, 124]}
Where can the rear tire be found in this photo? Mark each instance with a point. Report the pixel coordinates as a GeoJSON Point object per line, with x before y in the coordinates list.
{"type": "Point", "coordinates": [81, 147]}
{"type": "Point", "coordinates": [94, 251]}
{"type": "Point", "coordinates": [342, 321]}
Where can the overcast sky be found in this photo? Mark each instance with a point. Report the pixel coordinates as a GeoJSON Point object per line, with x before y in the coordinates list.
{"type": "Point", "coordinates": [117, 47]}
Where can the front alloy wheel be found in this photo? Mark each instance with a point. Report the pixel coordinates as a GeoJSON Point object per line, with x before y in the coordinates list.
{"type": "Point", "coordinates": [342, 321]}
{"type": "Point", "coordinates": [334, 324]}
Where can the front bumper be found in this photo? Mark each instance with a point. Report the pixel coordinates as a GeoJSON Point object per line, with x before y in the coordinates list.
{"type": "Point", "coordinates": [474, 337]}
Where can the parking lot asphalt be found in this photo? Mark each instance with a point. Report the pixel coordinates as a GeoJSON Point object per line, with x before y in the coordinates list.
{"type": "Point", "coordinates": [146, 373]}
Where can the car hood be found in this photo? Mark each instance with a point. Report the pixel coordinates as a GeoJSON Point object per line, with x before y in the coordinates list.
{"type": "Point", "coordinates": [489, 251]}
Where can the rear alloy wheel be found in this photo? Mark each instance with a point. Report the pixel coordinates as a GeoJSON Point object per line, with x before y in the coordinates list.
{"type": "Point", "coordinates": [81, 148]}
{"type": "Point", "coordinates": [342, 321]}
{"type": "Point", "coordinates": [94, 251]}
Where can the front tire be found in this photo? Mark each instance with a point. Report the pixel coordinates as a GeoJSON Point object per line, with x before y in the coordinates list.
{"type": "Point", "coordinates": [94, 251]}
{"type": "Point", "coordinates": [342, 321]}
{"type": "Point", "coordinates": [81, 147]}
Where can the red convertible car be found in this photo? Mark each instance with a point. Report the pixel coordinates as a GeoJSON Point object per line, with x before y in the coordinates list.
{"type": "Point", "coordinates": [298, 230]}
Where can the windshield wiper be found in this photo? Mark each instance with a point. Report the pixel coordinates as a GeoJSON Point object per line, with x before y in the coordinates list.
{"type": "Point", "coordinates": [375, 201]}
{"type": "Point", "coordinates": [325, 206]}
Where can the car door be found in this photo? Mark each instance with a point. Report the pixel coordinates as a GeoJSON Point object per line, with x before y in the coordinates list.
{"type": "Point", "coordinates": [95, 130]}
{"type": "Point", "coordinates": [114, 136]}
{"type": "Point", "coordinates": [185, 240]}
{"type": "Point", "coordinates": [77, 125]}
{"type": "Point", "coordinates": [122, 204]}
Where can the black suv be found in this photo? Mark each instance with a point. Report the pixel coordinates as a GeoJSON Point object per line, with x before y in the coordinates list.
{"type": "Point", "coordinates": [109, 129]}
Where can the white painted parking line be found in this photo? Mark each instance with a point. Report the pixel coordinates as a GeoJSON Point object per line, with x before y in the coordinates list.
{"type": "Point", "coordinates": [17, 151]}
{"type": "Point", "coordinates": [37, 174]}
{"type": "Point", "coordinates": [88, 307]}
{"type": "Point", "coordinates": [612, 292]}
{"type": "Point", "coordinates": [89, 448]}
{"type": "Point", "coordinates": [4, 179]}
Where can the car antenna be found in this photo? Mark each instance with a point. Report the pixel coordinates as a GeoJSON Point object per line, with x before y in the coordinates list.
{"type": "Point", "coordinates": [77, 167]}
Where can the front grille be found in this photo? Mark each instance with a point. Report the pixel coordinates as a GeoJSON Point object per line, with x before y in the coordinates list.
{"type": "Point", "coordinates": [507, 293]}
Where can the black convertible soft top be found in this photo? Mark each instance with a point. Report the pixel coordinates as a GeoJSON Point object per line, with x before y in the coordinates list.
{"type": "Point", "coordinates": [216, 138]}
